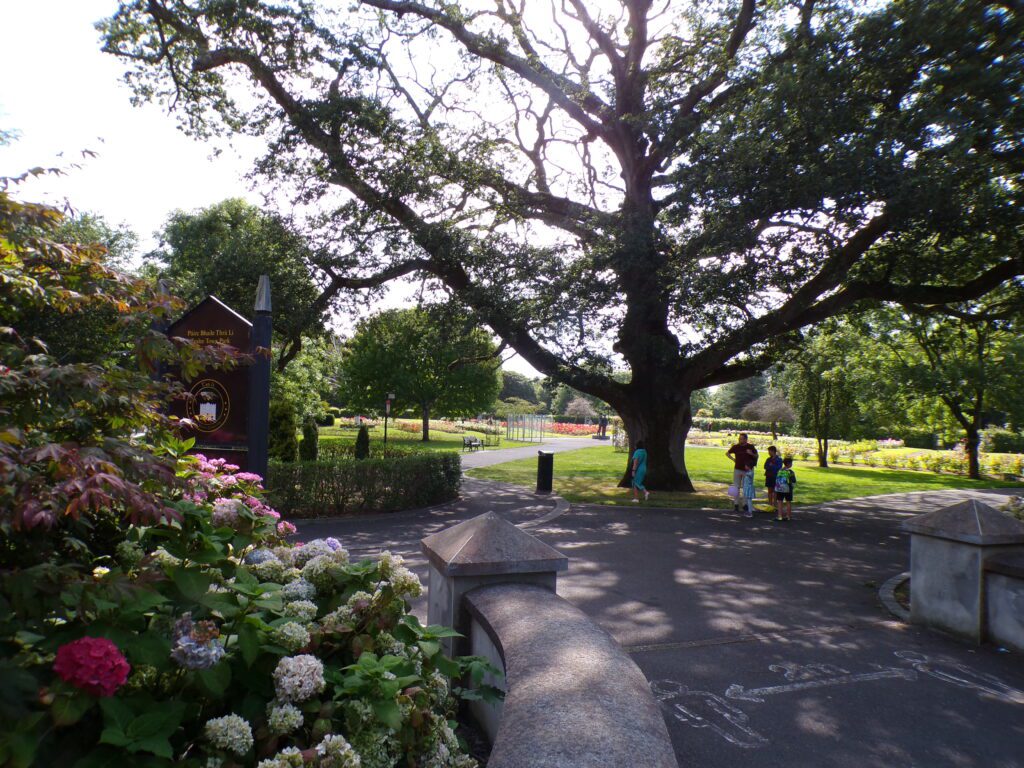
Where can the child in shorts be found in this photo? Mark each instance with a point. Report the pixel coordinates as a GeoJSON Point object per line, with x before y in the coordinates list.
{"type": "Point", "coordinates": [772, 465]}
{"type": "Point", "coordinates": [785, 481]}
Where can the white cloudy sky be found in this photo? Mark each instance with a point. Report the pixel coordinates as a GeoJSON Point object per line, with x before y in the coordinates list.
{"type": "Point", "coordinates": [62, 96]}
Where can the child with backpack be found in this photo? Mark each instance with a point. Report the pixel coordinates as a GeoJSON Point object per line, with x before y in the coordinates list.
{"type": "Point", "coordinates": [785, 481]}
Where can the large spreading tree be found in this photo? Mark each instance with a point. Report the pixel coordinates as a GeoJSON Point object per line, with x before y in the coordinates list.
{"type": "Point", "coordinates": [675, 187]}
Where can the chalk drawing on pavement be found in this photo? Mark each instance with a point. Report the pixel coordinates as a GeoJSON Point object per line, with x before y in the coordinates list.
{"type": "Point", "coordinates": [962, 676]}
{"type": "Point", "coordinates": [703, 709]}
{"type": "Point", "coordinates": [722, 715]}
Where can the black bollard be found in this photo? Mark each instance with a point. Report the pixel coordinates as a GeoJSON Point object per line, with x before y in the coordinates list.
{"type": "Point", "coordinates": [545, 470]}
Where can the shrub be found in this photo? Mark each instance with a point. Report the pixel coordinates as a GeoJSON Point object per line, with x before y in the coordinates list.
{"type": "Point", "coordinates": [347, 486]}
{"type": "Point", "coordinates": [997, 440]}
{"type": "Point", "coordinates": [325, 419]}
{"type": "Point", "coordinates": [310, 445]}
{"type": "Point", "coordinates": [919, 438]}
{"type": "Point", "coordinates": [282, 444]}
{"type": "Point", "coordinates": [362, 449]}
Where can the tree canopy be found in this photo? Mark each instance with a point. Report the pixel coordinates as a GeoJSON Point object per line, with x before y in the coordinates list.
{"type": "Point", "coordinates": [431, 359]}
{"type": "Point", "coordinates": [678, 188]}
{"type": "Point", "coordinates": [223, 249]}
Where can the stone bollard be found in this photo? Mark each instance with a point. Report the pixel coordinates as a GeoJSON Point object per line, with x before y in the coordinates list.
{"type": "Point", "coordinates": [948, 550]}
{"type": "Point", "coordinates": [485, 550]}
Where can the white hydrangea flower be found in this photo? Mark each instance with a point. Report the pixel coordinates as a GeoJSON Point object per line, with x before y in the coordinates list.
{"type": "Point", "coordinates": [389, 562]}
{"type": "Point", "coordinates": [231, 733]}
{"type": "Point", "coordinates": [319, 571]}
{"type": "Point", "coordinates": [303, 610]}
{"type": "Point", "coordinates": [340, 556]}
{"type": "Point", "coordinates": [291, 635]}
{"type": "Point", "coordinates": [335, 752]}
{"type": "Point", "coordinates": [386, 643]}
{"type": "Point", "coordinates": [269, 570]}
{"type": "Point", "coordinates": [359, 602]}
{"type": "Point", "coordinates": [291, 574]}
{"type": "Point", "coordinates": [300, 589]}
{"type": "Point", "coordinates": [282, 719]}
{"type": "Point", "coordinates": [405, 582]}
{"type": "Point", "coordinates": [289, 757]}
{"type": "Point", "coordinates": [305, 553]}
{"type": "Point", "coordinates": [298, 678]}
{"type": "Point", "coordinates": [285, 554]}
{"type": "Point", "coordinates": [341, 616]}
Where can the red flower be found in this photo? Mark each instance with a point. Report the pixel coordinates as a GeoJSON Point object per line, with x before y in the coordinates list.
{"type": "Point", "coordinates": [93, 664]}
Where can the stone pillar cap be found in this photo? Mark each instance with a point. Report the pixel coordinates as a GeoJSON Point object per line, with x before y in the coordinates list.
{"type": "Point", "coordinates": [490, 545]}
{"type": "Point", "coordinates": [971, 522]}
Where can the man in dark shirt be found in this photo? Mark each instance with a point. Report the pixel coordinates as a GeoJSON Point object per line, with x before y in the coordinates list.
{"type": "Point", "coordinates": [744, 455]}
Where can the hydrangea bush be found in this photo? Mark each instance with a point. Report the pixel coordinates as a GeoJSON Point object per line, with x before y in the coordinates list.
{"type": "Point", "coordinates": [208, 640]}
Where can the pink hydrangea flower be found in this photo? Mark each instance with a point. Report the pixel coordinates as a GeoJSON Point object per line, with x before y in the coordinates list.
{"type": "Point", "coordinates": [249, 477]}
{"type": "Point", "coordinates": [284, 528]}
{"type": "Point", "coordinates": [93, 664]}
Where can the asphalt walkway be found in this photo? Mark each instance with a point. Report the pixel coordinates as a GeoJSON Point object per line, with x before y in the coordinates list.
{"type": "Point", "coordinates": [766, 643]}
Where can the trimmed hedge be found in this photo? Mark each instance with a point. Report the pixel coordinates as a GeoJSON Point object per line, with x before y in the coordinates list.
{"type": "Point", "coordinates": [996, 440]}
{"type": "Point", "coordinates": [307, 489]}
{"type": "Point", "coordinates": [740, 425]}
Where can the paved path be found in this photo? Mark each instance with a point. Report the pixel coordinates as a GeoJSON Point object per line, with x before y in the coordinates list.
{"type": "Point", "coordinates": [766, 642]}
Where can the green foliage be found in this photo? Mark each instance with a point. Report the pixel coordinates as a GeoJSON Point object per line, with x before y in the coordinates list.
{"type": "Point", "coordinates": [997, 440]}
{"type": "Point", "coordinates": [730, 399]}
{"type": "Point", "coordinates": [311, 377]}
{"type": "Point", "coordinates": [918, 438]}
{"type": "Point", "coordinates": [432, 359]}
{"type": "Point", "coordinates": [344, 486]}
{"type": "Point", "coordinates": [362, 442]}
{"type": "Point", "coordinates": [309, 448]}
{"type": "Point", "coordinates": [77, 437]}
{"type": "Point", "coordinates": [517, 385]}
{"type": "Point", "coordinates": [282, 442]}
{"type": "Point", "coordinates": [222, 250]}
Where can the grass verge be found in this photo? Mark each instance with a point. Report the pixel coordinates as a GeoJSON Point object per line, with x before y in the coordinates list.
{"type": "Point", "coordinates": [591, 475]}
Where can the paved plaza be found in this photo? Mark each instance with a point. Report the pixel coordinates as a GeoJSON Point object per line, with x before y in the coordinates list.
{"type": "Point", "coordinates": [766, 643]}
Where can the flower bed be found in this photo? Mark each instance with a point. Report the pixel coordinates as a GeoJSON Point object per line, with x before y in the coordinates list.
{"type": "Point", "coordinates": [576, 430]}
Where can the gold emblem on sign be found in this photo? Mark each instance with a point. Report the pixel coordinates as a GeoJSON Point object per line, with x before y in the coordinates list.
{"type": "Point", "coordinates": [208, 405]}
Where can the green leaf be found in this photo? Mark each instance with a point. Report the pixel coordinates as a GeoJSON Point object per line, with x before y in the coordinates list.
{"type": "Point", "coordinates": [249, 643]}
{"type": "Point", "coordinates": [150, 649]}
{"type": "Point", "coordinates": [115, 736]}
{"type": "Point", "coordinates": [215, 680]}
{"type": "Point", "coordinates": [117, 713]}
{"type": "Point", "coordinates": [192, 583]}
{"type": "Point", "coordinates": [224, 604]}
{"type": "Point", "coordinates": [446, 666]}
{"type": "Point", "coordinates": [388, 713]}
{"type": "Point", "coordinates": [68, 710]}
{"type": "Point", "coordinates": [157, 745]}
{"type": "Point", "coordinates": [430, 648]}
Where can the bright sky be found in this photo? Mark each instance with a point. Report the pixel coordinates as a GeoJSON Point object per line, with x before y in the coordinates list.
{"type": "Point", "coordinates": [62, 96]}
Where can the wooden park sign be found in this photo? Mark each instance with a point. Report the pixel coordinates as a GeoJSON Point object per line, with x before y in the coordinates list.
{"type": "Point", "coordinates": [227, 410]}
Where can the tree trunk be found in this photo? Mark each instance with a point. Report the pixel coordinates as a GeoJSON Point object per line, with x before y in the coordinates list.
{"type": "Point", "coordinates": [823, 452]}
{"type": "Point", "coordinates": [973, 449]}
{"type": "Point", "coordinates": [774, 430]}
{"type": "Point", "coordinates": [426, 423]}
{"type": "Point", "coordinates": [663, 424]}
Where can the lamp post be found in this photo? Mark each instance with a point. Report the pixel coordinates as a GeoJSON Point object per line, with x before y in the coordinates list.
{"type": "Point", "coordinates": [387, 412]}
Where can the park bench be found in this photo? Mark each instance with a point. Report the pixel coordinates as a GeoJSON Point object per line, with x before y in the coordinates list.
{"type": "Point", "coordinates": [471, 443]}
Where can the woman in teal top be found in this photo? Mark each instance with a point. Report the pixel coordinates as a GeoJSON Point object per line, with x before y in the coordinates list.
{"type": "Point", "coordinates": [639, 470]}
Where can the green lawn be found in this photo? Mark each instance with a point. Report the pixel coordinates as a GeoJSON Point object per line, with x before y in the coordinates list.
{"type": "Point", "coordinates": [590, 475]}
{"type": "Point", "coordinates": [439, 441]}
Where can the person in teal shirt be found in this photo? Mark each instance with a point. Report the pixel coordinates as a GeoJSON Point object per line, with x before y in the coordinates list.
{"type": "Point", "coordinates": [639, 471]}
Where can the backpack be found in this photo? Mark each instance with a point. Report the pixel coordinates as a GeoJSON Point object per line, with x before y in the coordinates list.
{"type": "Point", "coordinates": [784, 481]}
